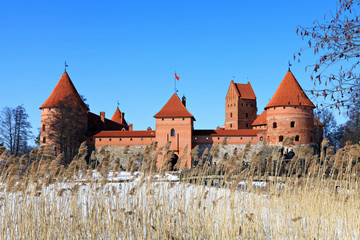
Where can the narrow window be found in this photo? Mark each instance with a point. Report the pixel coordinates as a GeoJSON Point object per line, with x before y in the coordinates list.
{"type": "Point", "coordinates": [247, 125]}
{"type": "Point", "coordinates": [218, 138]}
{"type": "Point", "coordinates": [99, 139]}
{"type": "Point", "coordinates": [247, 115]}
{"type": "Point", "coordinates": [110, 139]}
{"type": "Point", "coordinates": [173, 119]}
{"type": "Point", "coordinates": [292, 124]}
{"type": "Point", "coordinates": [297, 138]}
{"type": "Point", "coordinates": [183, 119]}
{"type": "Point", "coordinates": [162, 119]}
{"type": "Point", "coordinates": [230, 125]}
{"type": "Point", "coordinates": [172, 132]}
{"type": "Point", "coordinates": [44, 139]}
{"type": "Point", "coordinates": [142, 139]}
{"type": "Point", "coordinates": [281, 138]}
{"type": "Point", "coordinates": [43, 127]}
{"type": "Point", "coordinates": [120, 139]}
{"type": "Point", "coordinates": [274, 125]}
{"type": "Point", "coordinates": [230, 114]}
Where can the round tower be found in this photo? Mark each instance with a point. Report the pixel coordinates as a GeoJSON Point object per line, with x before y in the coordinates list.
{"type": "Point", "coordinates": [64, 107]}
{"type": "Point", "coordinates": [290, 114]}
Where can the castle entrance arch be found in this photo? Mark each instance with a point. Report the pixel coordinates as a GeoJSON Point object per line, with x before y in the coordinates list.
{"type": "Point", "coordinates": [173, 160]}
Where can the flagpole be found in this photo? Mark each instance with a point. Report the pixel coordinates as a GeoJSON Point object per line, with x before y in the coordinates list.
{"type": "Point", "coordinates": [174, 83]}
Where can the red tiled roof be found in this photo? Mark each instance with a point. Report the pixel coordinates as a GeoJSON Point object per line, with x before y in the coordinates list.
{"type": "Point", "coordinates": [126, 134]}
{"type": "Point", "coordinates": [117, 117]}
{"type": "Point", "coordinates": [174, 108]}
{"type": "Point", "coordinates": [289, 93]}
{"type": "Point", "coordinates": [237, 132]}
{"type": "Point", "coordinates": [245, 91]}
{"type": "Point", "coordinates": [95, 124]}
{"type": "Point", "coordinates": [318, 123]}
{"type": "Point", "coordinates": [63, 89]}
{"type": "Point", "coordinates": [261, 119]}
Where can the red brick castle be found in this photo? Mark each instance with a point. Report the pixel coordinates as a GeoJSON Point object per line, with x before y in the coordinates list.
{"type": "Point", "coordinates": [288, 114]}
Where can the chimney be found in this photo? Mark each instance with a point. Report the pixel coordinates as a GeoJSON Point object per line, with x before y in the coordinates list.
{"type": "Point", "coordinates": [130, 127]}
{"type": "Point", "coordinates": [102, 117]}
{"type": "Point", "coordinates": [184, 100]}
{"type": "Point", "coordinates": [122, 118]}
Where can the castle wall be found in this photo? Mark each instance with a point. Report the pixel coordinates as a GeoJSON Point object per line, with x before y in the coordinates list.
{"type": "Point", "coordinates": [122, 141]}
{"type": "Point", "coordinates": [231, 140]}
{"type": "Point", "coordinates": [301, 117]}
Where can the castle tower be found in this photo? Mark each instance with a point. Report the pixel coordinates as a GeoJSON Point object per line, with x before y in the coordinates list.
{"type": "Point", "coordinates": [64, 93]}
{"type": "Point", "coordinates": [240, 106]}
{"type": "Point", "coordinates": [174, 123]}
{"type": "Point", "coordinates": [290, 114]}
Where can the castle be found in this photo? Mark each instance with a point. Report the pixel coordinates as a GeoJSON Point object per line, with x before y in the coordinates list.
{"type": "Point", "coordinates": [288, 114]}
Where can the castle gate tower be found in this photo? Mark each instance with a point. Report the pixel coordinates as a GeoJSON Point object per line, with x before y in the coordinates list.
{"type": "Point", "coordinates": [174, 123]}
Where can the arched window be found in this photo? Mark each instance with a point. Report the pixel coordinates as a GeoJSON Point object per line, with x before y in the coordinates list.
{"type": "Point", "coordinates": [230, 125]}
{"type": "Point", "coordinates": [281, 138]}
{"type": "Point", "coordinates": [261, 139]}
{"type": "Point", "coordinates": [172, 133]}
{"type": "Point", "coordinates": [274, 125]}
{"type": "Point", "coordinates": [292, 124]}
{"type": "Point", "coordinates": [246, 115]}
{"type": "Point", "coordinates": [230, 114]}
{"type": "Point", "coordinates": [297, 138]}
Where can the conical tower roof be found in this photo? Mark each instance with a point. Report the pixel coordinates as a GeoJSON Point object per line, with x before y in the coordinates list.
{"type": "Point", "coordinates": [117, 117]}
{"type": "Point", "coordinates": [289, 93]}
{"type": "Point", "coordinates": [174, 108]}
{"type": "Point", "coordinates": [63, 89]}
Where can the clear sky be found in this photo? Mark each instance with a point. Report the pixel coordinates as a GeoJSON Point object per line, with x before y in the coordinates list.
{"type": "Point", "coordinates": [127, 51]}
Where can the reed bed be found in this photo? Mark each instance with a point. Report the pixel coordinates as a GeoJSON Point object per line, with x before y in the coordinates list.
{"type": "Point", "coordinates": [318, 197]}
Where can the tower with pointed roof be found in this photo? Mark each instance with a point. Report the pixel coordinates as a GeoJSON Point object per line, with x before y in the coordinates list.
{"type": "Point", "coordinates": [289, 114]}
{"type": "Point", "coordinates": [63, 92]}
{"type": "Point", "coordinates": [174, 123]}
{"type": "Point", "coordinates": [240, 106]}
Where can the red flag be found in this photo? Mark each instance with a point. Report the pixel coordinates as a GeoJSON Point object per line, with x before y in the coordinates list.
{"type": "Point", "coordinates": [177, 77]}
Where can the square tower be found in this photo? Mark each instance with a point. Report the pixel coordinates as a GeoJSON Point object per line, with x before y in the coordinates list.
{"type": "Point", "coordinates": [174, 123]}
{"type": "Point", "coordinates": [240, 106]}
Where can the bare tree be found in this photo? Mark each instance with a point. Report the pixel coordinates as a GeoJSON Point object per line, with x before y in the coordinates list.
{"type": "Point", "coordinates": [352, 126]}
{"type": "Point", "coordinates": [336, 42]}
{"type": "Point", "coordinates": [15, 129]}
{"type": "Point", "coordinates": [67, 127]}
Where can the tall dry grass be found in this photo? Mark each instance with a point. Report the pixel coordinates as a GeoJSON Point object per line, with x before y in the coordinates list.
{"type": "Point", "coordinates": [308, 197]}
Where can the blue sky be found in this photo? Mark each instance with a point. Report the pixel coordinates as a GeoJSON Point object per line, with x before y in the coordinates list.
{"type": "Point", "coordinates": [127, 51]}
